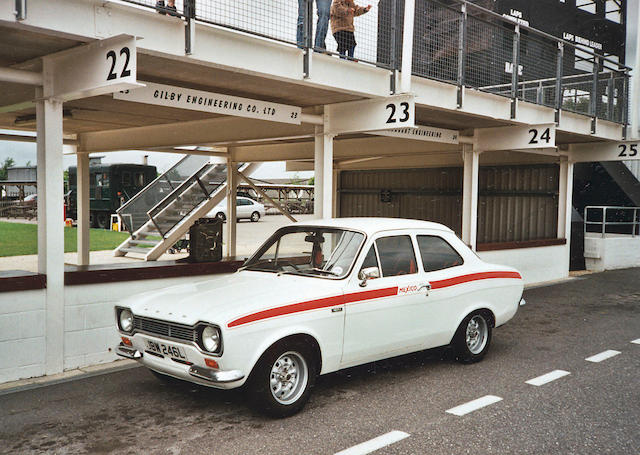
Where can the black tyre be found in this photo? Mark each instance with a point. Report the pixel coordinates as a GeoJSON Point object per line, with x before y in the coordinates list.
{"type": "Point", "coordinates": [281, 381]}
{"type": "Point", "coordinates": [473, 337]}
{"type": "Point", "coordinates": [221, 216]}
{"type": "Point", "coordinates": [255, 216]}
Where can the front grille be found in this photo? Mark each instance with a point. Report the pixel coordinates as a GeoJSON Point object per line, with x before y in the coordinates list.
{"type": "Point", "coordinates": [163, 328]}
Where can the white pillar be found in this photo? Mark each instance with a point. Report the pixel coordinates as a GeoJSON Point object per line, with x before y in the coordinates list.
{"type": "Point", "coordinates": [327, 176]}
{"type": "Point", "coordinates": [565, 207]}
{"type": "Point", "coordinates": [470, 195]}
{"type": "Point", "coordinates": [51, 226]}
{"type": "Point", "coordinates": [407, 46]}
{"type": "Point", "coordinates": [232, 187]}
{"type": "Point", "coordinates": [83, 207]}
{"type": "Point", "coordinates": [318, 152]}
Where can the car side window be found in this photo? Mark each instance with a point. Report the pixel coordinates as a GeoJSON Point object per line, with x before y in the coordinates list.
{"type": "Point", "coordinates": [437, 254]}
{"type": "Point", "coordinates": [396, 255]}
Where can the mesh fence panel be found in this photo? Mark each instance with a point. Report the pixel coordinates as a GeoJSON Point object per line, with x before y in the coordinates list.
{"type": "Point", "coordinates": [537, 70]}
{"type": "Point", "coordinates": [489, 55]}
{"type": "Point", "coordinates": [435, 42]}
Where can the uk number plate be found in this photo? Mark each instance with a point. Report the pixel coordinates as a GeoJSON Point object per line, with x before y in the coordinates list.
{"type": "Point", "coordinates": [175, 352]}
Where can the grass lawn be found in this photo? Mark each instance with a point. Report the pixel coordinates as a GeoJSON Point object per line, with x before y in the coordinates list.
{"type": "Point", "coordinates": [17, 239]}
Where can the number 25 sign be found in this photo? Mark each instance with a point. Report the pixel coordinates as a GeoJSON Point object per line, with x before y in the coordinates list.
{"type": "Point", "coordinates": [98, 68]}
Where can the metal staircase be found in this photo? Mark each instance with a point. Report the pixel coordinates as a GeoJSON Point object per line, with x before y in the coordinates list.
{"type": "Point", "coordinates": [164, 211]}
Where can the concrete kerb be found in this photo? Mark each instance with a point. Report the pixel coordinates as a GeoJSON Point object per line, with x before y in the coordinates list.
{"type": "Point", "coordinates": [67, 376]}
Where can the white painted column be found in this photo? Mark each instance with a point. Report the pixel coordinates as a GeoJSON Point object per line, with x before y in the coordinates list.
{"type": "Point", "coordinates": [470, 195]}
{"type": "Point", "coordinates": [51, 226]}
{"type": "Point", "coordinates": [83, 208]}
{"type": "Point", "coordinates": [232, 187]}
{"type": "Point", "coordinates": [407, 46]}
{"type": "Point", "coordinates": [565, 207]}
{"type": "Point", "coordinates": [318, 153]}
{"type": "Point", "coordinates": [327, 176]}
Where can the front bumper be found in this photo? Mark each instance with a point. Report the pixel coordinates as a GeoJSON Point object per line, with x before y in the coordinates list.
{"type": "Point", "coordinates": [194, 373]}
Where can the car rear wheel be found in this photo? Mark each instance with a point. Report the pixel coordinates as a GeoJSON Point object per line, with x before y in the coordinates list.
{"type": "Point", "coordinates": [255, 216]}
{"type": "Point", "coordinates": [473, 337]}
{"type": "Point", "coordinates": [281, 381]}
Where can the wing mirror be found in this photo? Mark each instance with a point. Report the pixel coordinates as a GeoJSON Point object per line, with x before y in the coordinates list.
{"type": "Point", "coordinates": [368, 273]}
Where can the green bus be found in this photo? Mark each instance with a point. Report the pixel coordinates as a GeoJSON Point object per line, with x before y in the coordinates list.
{"type": "Point", "coordinates": [110, 186]}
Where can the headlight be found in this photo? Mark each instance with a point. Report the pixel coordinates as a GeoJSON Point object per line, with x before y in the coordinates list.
{"type": "Point", "coordinates": [210, 338]}
{"type": "Point", "coordinates": [126, 320]}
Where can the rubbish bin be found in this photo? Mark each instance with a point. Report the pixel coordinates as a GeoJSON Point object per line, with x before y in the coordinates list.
{"type": "Point", "coordinates": [205, 240]}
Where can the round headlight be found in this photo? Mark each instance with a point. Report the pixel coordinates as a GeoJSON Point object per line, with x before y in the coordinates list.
{"type": "Point", "coordinates": [210, 338]}
{"type": "Point", "coordinates": [126, 320]}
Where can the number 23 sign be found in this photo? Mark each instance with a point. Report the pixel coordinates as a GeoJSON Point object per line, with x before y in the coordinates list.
{"type": "Point", "coordinates": [372, 115]}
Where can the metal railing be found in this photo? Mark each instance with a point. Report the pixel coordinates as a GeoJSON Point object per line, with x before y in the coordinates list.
{"type": "Point", "coordinates": [134, 212]}
{"type": "Point", "coordinates": [453, 41]}
{"type": "Point", "coordinates": [612, 220]}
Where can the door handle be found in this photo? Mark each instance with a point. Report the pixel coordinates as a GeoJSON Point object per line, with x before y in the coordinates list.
{"type": "Point", "coordinates": [426, 286]}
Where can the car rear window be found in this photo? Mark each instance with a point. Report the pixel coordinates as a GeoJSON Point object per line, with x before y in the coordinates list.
{"type": "Point", "coordinates": [437, 254]}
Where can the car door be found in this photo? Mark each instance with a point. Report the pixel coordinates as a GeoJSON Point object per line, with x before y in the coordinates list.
{"type": "Point", "coordinates": [382, 316]}
{"type": "Point", "coordinates": [243, 208]}
{"type": "Point", "coordinates": [443, 267]}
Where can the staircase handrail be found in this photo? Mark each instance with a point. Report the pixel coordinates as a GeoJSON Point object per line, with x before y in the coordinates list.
{"type": "Point", "coordinates": [153, 211]}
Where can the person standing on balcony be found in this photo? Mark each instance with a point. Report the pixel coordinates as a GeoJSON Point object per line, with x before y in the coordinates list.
{"type": "Point", "coordinates": [342, 14]}
{"type": "Point", "coordinates": [170, 8]}
{"type": "Point", "coordinates": [323, 7]}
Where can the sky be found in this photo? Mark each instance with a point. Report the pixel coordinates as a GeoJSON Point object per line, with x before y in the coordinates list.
{"type": "Point", "coordinates": [23, 152]}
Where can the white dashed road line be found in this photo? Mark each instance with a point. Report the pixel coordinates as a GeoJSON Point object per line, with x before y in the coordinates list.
{"type": "Point", "coordinates": [375, 444]}
{"type": "Point", "coordinates": [637, 341]}
{"type": "Point", "coordinates": [602, 356]}
{"type": "Point", "coordinates": [545, 378]}
{"type": "Point", "coordinates": [473, 405]}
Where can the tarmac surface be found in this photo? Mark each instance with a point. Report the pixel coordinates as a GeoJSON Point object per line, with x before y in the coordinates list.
{"type": "Point", "coordinates": [401, 404]}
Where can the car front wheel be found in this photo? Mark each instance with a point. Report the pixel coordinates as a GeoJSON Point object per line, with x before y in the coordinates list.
{"type": "Point", "coordinates": [255, 216]}
{"type": "Point", "coordinates": [281, 382]}
{"type": "Point", "coordinates": [221, 216]}
{"type": "Point", "coordinates": [472, 338]}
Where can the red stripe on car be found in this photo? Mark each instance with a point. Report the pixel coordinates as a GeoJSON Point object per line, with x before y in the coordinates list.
{"type": "Point", "coordinates": [361, 296]}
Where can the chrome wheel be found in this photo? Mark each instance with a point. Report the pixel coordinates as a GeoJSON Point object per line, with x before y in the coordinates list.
{"type": "Point", "coordinates": [255, 216]}
{"type": "Point", "coordinates": [476, 334]}
{"type": "Point", "coordinates": [288, 378]}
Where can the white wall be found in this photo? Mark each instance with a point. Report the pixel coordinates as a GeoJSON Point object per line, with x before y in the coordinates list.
{"type": "Point", "coordinates": [536, 265]}
{"type": "Point", "coordinates": [89, 326]}
{"type": "Point", "coordinates": [22, 347]}
{"type": "Point", "coordinates": [612, 252]}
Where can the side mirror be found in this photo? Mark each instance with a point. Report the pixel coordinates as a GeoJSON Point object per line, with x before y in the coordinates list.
{"type": "Point", "coordinates": [368, 273]}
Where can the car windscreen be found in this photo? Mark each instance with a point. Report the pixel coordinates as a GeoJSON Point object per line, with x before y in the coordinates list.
{"type": "Point", "coordinates": [308, 251]}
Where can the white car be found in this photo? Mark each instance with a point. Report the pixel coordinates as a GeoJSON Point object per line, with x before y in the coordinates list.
{"type": "Point", "coordinates": [246, 208]}
{"type": "Point", "coordinates": [318, 297]}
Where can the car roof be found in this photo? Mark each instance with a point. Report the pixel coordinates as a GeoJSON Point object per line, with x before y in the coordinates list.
{"type": "Point", "coordinates": [371, 225]}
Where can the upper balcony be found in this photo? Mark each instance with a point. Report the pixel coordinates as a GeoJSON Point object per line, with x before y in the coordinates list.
{"type": "Point", "coordinates": [462, 61]}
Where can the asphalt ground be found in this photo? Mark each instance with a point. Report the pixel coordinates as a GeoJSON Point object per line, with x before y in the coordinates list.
{"type": "Point", "coordinates": [593, 410]}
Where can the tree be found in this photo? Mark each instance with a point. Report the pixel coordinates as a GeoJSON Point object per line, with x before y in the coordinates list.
{"type": "Point", "coordinates": [8, 162]}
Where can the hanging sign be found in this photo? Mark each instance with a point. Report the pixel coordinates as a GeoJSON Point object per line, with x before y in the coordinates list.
{"type": "Point", "coordinates": [371, 115]}
{"type": "Point", "coordinates": [216, 103]}
{"type": "Point", "coordinates": [516, 137]}
{"type": "Point", "coordinates": [605, 151]}
{"type": "Point", "coordinates": [422, 133]}
{"type": "Point", "coordinates": [97, 68]}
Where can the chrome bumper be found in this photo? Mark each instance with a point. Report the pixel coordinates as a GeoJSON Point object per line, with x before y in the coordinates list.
{"type": "Point", "coordinates": [215, 375]}
{"type": "Point", "coordinates": [127, 352]}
